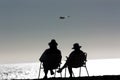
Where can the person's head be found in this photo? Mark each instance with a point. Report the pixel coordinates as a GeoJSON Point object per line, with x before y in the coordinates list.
{"type": "Point", "coordinates": [53, 43]}
{"type": "Point", "coordinates": [76, 46]}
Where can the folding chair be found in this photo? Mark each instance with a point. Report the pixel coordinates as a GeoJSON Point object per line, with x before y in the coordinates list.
{"type": "Point", "coordinates": [41, 67]}
{"type": "Point", "coordinates": [84, 65]}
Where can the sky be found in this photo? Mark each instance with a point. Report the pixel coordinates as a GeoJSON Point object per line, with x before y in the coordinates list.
{"type": "Point", "coordinates": [27, 26]}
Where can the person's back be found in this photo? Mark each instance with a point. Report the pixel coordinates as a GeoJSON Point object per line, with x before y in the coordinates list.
{"type": "Point", "coordinates": [51, 58]}
{"type": "Point", "coordinates": [75, 59]}
{"type": "Point", "coordinates": [56, 58]}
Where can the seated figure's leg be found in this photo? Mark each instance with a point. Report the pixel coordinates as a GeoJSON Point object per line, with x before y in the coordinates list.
{"type": "Point", "coordinates": [45, 69]}
{"type": "Point", "coordinates": [64, 66]}
{"type": "Point", "coordinates": [70, 71]}
{"type": "Point", "coordinates": [46, 72]}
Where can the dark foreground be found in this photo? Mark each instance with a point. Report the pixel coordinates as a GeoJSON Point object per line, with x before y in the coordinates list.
{"type": "Point", "coordinates": [106, 77]}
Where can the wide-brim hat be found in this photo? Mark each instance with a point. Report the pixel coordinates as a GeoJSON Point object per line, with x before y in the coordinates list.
{"type": "Point", "coordinates": [76, 45]}
{"type": "Point", "coordinates": [53, 42]}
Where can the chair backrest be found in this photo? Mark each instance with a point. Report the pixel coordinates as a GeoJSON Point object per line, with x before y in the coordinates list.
{"type": "Point", "coordinates": [77, 60]}
{"type": "Point", "coordinates": [85, 59]}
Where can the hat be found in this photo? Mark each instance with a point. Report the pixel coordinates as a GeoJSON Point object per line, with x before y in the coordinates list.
{"type": "Point", "coordinates": [76, 45]}
{"type": "Point", "coordinates": [53, 42]}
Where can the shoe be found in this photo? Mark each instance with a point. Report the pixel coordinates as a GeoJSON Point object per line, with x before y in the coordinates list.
{"type": "Point", "coordinates": [59, 71]}
{"type": "Point", "coordinates": [51, 71]}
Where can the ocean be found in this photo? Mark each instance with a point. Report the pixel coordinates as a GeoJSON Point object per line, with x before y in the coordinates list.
{"type": "Point", "coordinates": [97, 67]}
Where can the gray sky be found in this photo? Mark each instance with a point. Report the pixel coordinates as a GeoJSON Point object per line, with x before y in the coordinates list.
{"type": "Point", "coordinates": [27, 26]}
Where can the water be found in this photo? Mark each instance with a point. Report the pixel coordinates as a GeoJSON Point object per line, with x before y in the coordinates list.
{"type": "Point", "coordinates": [31, 70]}
{"type": "Point", "coordinates": [19, 71]}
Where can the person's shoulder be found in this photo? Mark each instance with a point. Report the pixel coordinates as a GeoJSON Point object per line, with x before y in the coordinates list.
{"type": "Point", "coordinates": [81, 51]}
{"type": "Point", "coordinates": [58, 50]}
{"type": "Point", "coordinates": [72, 53]}
{"type": "Point", "coordinates": [47, 49]}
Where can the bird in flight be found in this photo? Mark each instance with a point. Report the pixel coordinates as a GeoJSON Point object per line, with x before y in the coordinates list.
{"type": "Point", "coordinates": [63, 17]}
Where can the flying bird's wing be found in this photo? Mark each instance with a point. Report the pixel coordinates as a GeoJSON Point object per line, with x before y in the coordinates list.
{"type": "Point", "coordinates": [61, 17]}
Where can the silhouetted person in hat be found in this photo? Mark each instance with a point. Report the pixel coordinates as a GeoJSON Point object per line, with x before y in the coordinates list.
{"type": "Point", "coordinates": [51, 58]}
{"type": "Point", "coordinates": [75, 59]}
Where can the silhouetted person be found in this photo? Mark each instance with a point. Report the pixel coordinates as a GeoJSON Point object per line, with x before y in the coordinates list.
{"type": "Point", "coordinates": [75, 59]}
{"type": "Point", "coordinates": [51, 58]}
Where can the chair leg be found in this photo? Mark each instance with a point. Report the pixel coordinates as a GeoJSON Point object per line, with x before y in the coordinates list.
{"type": "Point", "coordinates": [86, 70]}
{"type": "Point", "coordinates": [73, 74]}
{"type": "Point", "coordinates": [61, 74]}
{"type": "Point", "coordinates": [39, 70]}
{"type": "Point", "coordinates": [65, 72]}
{"type": "Point", "coordinates": [80, 72]}
{"type": "Point", "coordinates": [55, 73]}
